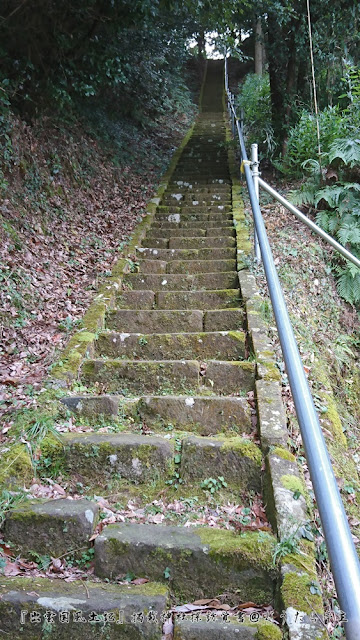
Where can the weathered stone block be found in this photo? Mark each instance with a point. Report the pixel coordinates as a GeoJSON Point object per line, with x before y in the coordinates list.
{"type": "Point", "coordinates": [180, 282]}
{"type": "Point", "coordinates": [198, 299]}
{"type": "Point", "coordinates": [198, 243]}
{"type": "Point", "coordinates": [54, 527]}
{"type": "Point", "coordinates": [44, 595]}
{"type": "Point", "coordinates": [230, 377]}
{"type": "Point", "coordinates": [96, 458]}
{"type": "Point", "coordinates": [154, 321]}
{"type": "Point", "coordinates": [136, 299]}
{"type": "Point", "coordinates": [271, 414]}
{"type": "Point", "coordinates": [139, 376]}
{"type": "Point", "coordinates": [202, 562]}
{"type": "Point", "coordinates": [200, 266]}
{"type": "Point", "coordinates": [223, 320]}
{"type": "Point", "coordinates": [173, 346]}
{"type": "Point", "coordinates": [205, 415]}
{"type": "Point", "coordinates": [236, 459]}
{"type": "Point", "coordinates": [232, 630]}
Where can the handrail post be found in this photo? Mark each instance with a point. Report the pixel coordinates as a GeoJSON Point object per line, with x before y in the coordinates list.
{"type": "Point", "coordinates": [255, 175]}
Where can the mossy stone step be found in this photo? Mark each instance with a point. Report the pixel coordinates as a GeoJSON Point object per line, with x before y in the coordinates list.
{"type": "Point", "coordinates": [234, 458]}
{"type": "Point", "coordinates": [141, 376]}
{"type": "Point", "coordinates": [99, 458]}
{"type": "Point", "coordinates": [152, 235]}
{"type": "Point", "coordinates": [202, 628]}
{"type": "Point", "coordinates": [190, 224]}
{"type": "Point", "coordinates": [202, 562]}
{"type": "Point", "coordinates": [176, 376]}
{"type": "Point", "coordinates": [168, 233]}
{"type": "Point", "coordinates": [152, 266]}
{"type": "Point", "coordinates": [197, 189]}
{"type": "Point", "coordinates": [222, 253]}
{"type": "Point", "coordinates": [200, 414]}
{"type": "Point", "coordinates": [116, 605]}
{"type": "Point", "coordinates": [187, 199]}
{"type": "Point", "coordinates": [172, 346]}
{"type": "Point", "coordinates": [195, 208]}
{"type": "Point", "coordinates": [182, 282]}
{"type": "Point", "coordinates": [199, 243]}
{"type": "Point", "coordinates": [223, 319]}
{"type": "Point", "coordinates": [209, 299]}
{"type": "Point", "coordinates": [53, 527]}
{"type": "Point", "coordinates": [198, 266]}
{"type": "Point", "coordinates": [155, 321]}
{"type": "Point", "coordinates": [138, 299]}
{"type": "Point", "coordinates": [191, 216]}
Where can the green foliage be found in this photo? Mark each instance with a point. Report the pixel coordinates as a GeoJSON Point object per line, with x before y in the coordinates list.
{"type": "Point", "coordinates": [214, 484]}
{"type": "Point", "coordinates": [339, 213]}
{"type": "Point", "coordinates": [302, 142]}
{"type": "Point", "coordinates": [9, 500]}
{"type": "Point", "coordinates": [254, 101]}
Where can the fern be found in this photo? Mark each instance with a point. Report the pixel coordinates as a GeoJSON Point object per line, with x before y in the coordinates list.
{"type": "Point", "coordinates": [348, 233]}
{"type": "Point", "coordinates": [349, 285]}
{"type": "Point", "coordinates": [345, 149]}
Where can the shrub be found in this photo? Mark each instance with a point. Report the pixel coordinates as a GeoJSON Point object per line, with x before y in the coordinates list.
{"type": "Point", "coordinates": [254, 101]}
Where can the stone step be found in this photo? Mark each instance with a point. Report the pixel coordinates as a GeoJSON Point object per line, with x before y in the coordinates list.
{"type": "Point", "coordinates": [191, 224]}
{"type": "Point", "coordinates": [234, 458]}
{"type": "Point", "coordinates": [53, 527]}
{"type": "Point", "coordinates": [204, 415]}
{"type": "Point", "coordinates": [96, 459]}
{"type": "Point", "coordinates": [191, 216]}
{"type": "Point", "coordinates": [204, 628]}
{"type": "Point", "coordinates": [182, 282]}
{"type": "Point", "coordinates": [209, 299]}
{"type": "Point", "coordinates": [179, 186]}
{"type": "Point", "coordinates": [27, 604]}
{"type": "Point", "coordinates": [168, 376]}
{"type": "Point", "coordinates": [138, 299]}
{"type": "Point", "coordinates": [172, 346]}
{"type": "Point", "coordinates": [155, 321]}
{"type": "Point", "coordinates": [196, 563]}
{"type": "Point", "coordinates": [209, 241]}
{"type": "Point", "coordinates": [198, 266]}
{"type": "Point", "coordinates": [198, 243]}
{"type": "Point", "coordinates": [223, 319]}
{"type": "Point", "coordinates": [179, 199]}
{"type": "Point", "coordinates": [223, 253]}
{"type": "Point", "coordinates": [195, 208]}
{"type": "Point", "coordinates": [141, 376]}
{"type": "Point", "coordinates": [163, 321]}
{"type": "Point", "coordinates": [180, 231]}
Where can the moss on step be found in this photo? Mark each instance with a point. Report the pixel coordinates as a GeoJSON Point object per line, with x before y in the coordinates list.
{"type": "Point", "coordinates": [16, 468]}
{"type": "Point", "coordinates": [257, 548]}
{"type": "Point", "coordinates": [295, 592]}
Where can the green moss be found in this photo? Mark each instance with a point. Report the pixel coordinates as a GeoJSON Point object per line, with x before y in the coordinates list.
{"type": "Point", "coordinates": [295, 592]}
{"type": "Point", "coordinates": [86, 336]}
{"type": "Point", "coordinates": [268, 631]}
{"type": "Point", "coordinates": [257, 548]}
{"type": "Point", "coordinates": [293, 483]}
{"type": "Point", "coordinates": [244, 447]}
{"type": "Point", "coordinates": [16, 468]}
{"type": "Point", "coordinates": [283, 453]}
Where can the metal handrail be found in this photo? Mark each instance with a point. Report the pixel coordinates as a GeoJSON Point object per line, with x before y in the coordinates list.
{"type": "Point", "coordinates": [342, 552]}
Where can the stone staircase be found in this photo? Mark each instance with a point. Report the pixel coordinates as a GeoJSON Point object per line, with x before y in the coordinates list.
{"type": "Point", "coordinates": [172, 370]}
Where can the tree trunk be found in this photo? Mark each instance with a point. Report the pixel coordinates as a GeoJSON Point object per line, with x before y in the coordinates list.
{"type": "Point", "coordinates": [259, 48]}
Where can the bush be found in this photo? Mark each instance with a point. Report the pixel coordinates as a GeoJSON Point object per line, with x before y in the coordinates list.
{"type": "Point", "coordinates": [254, 100]}
{"type": "Point", "coordinates": [303, 143]}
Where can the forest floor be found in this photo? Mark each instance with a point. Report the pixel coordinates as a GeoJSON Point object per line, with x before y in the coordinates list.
{"type": "Point", "coordinates": [70, 201]}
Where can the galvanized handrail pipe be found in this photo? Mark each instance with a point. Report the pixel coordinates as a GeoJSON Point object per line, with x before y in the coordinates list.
{"type": "Point", "coordinates": [342, 552]}
{"type": "Point", "coordinates": [343, 556]}
{"type": "Point", "coordinates": [314, 227]}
